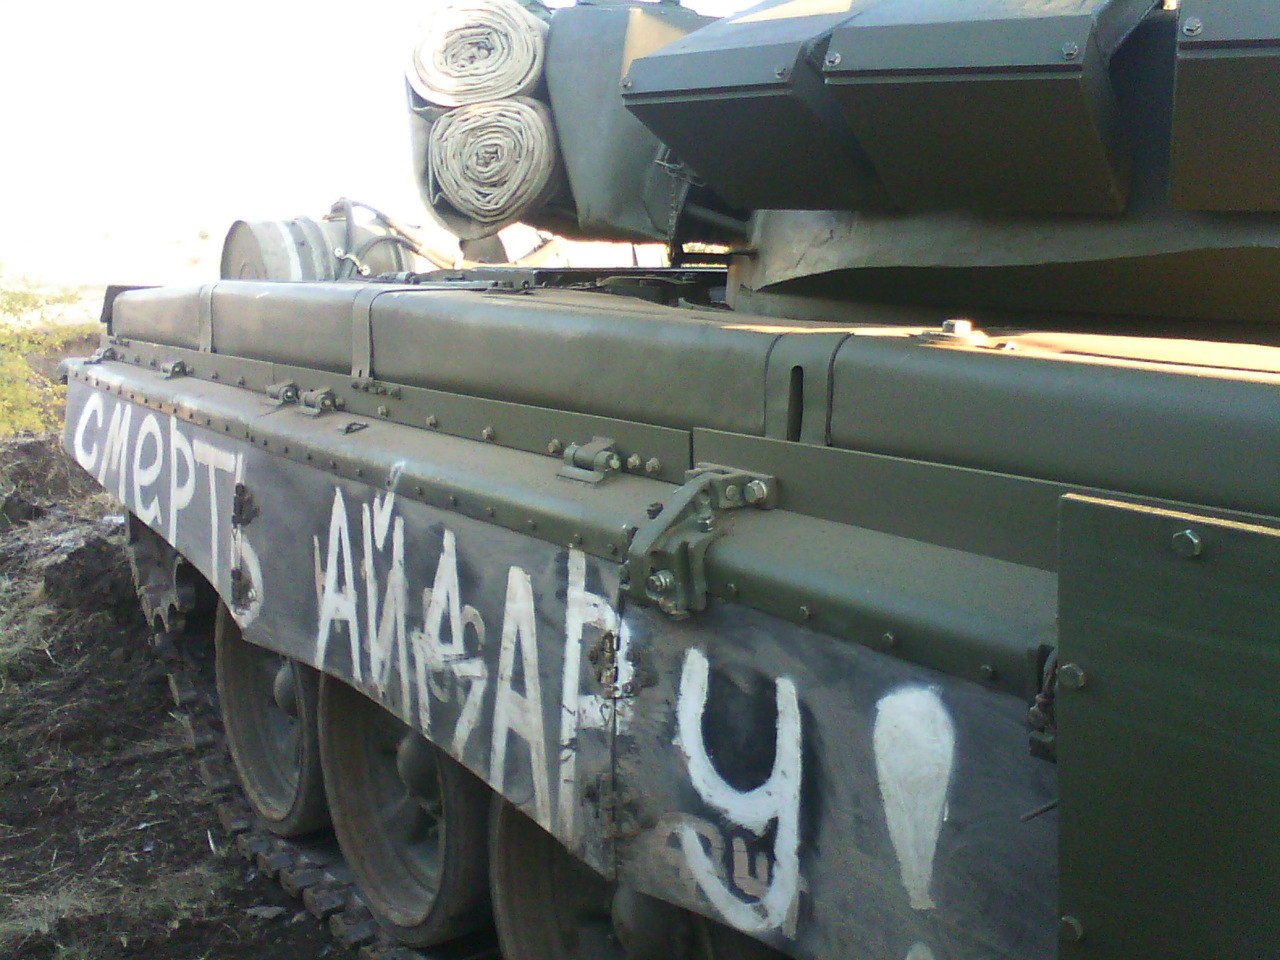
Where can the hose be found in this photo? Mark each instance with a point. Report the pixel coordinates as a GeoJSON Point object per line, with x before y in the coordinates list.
{"type": "Point", "coordinates": [492, 162]}
{"type": "Point", "coordinates": [477, 50]}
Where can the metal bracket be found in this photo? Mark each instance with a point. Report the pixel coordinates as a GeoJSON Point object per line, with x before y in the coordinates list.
{"type": "Point", "coordinates": [243, 509]}
{"type": "Point", "coordinates": [591, 462]}
{"type": "Point", "coordinates": [666, 562]}
{"type": "Point", "coordinates": [174, 369]}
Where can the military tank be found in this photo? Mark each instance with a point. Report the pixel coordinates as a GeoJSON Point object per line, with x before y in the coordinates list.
{"type": "Point", "coordinates": [893, 576]}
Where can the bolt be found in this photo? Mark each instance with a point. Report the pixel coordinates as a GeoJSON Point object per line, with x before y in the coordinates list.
{"type": "Point", "coordinates": [629, 530]}
{"type": "Point", "coordinates": [889, 640]}
{"type": "Point", "coordinates": [453, 500]}
{"type": "Point", "coordinates": [653, 466]}
{"type": "Point", "coordinates": [731, 589]}
{"type": "Point", "coordinates": [706, 524]}
{"type": "Point", "coordinates": [1187, 544]}
{"type": "Point", "coordinates": [1070, 50]}
{"type": "Point", "coordinates": [662, 581]}
{"type": "Point", "coordinates": [832, 60]}
{"type": "Point", "coordinates": [533, 524]}
{"type": "Point", "coordinates": [1193, 27]}
{"type": "Point", "coordinates": [957, 328]}
{"type": "Point", "coordinates": [487, 434]}
{"type": "Point", "coordinates": [756, 492]}
{"type": "Point", "coordinates": [613, 464]}
{"type": "Point", "coordinates": [653, 510]}
{"type": "Point", "coordinates": [575, 540]}
{"type": "Point", "coordinates": [432, 422]}
{"type": "Point", "coordinates": [782, 72]}
{"type": "Point", "coordinates": [635, 462]}
{"type": "Point", "coordinates": [489, 511]}
{"type": "Point", "coordinates": [625, 83]}
{"type": "Point", "coordinates": [987, 672]}
{"type": "Point", "coordinates": [1070, 929]}
{"type": "Point", "coordinates": [555, 448]}
{"type": "Point", "coordinates": [805, 612]}
{"type": "Point", "coordinates": [417, 491]}
{"type": "Point", "coordinates": [384, 411]}
{"type": "Point", "coordinates": [732, 494]}
{"type": "Point", "coordinates": [1072, 676]}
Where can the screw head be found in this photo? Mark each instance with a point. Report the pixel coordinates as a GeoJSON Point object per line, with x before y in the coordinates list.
{"type": "Point", "coordinates": [1070, 50]}
{"type": "Point", "coordinates": [555, 448]}
{"type": "Point", "coordinates": [1187, 544]}
{"type": "Point", "coordinates": [1072, 676]}
{"type": "Point", "coordinates": [1193, 27]}
{"type": "Point", "coordinates": [782, 72]}
{"type": "Point", "coordinates": [732, 494]}
{"type": "Point", "coordinates": [831, 60]}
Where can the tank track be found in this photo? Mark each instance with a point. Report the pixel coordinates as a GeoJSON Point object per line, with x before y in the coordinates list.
{"type": "Point", "coordinates": [310, 870]}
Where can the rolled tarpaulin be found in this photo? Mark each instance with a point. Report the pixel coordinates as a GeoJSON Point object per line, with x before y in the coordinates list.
{"type": "Point", "coordinates": [493, 162]}
{"type": "Point", "coordinates": [478, 50]}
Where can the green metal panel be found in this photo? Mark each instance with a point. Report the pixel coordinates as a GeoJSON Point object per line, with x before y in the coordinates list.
{"type": "Point", "coordinates": [1169, 741]}
{"type": "Point", "coordinates": [1226, 132]}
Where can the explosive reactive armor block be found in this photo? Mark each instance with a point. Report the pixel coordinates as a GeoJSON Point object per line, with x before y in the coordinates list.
{"type": "Point", "coordinates": [993, 105]}
{"type": "Point", "coordinates": [1226, 134]}
{"type": "Point", "coordinates": [743, 103]}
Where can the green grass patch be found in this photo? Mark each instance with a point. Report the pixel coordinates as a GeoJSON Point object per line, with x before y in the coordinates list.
{"type": "Point", "coordinates": [31, 399]}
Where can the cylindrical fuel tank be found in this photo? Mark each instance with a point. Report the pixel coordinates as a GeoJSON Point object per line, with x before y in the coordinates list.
{"type": "Point", "coordinates": [306, 249]}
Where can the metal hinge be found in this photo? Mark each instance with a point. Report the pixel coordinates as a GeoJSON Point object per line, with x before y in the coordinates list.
{"type": "Point", "coordinates": [243, 509]}
{"type": "Point", "coordinates": [174, 369]}
{"type": "Point", "coordinates": [666, 563]}
{"type": "Point", "coordinates": [316, 403]}
{"type": "Point", "coordinates": [591, 462]}
{"type": "Point", "coordinates": [284, 392]}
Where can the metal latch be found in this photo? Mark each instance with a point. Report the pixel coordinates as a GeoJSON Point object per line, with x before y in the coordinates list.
{"type": "Point", "coordinates": [591, 462]}
{"type": "Point", "coordinates": [243, 509]}
{"type": "Point", "coordinates": [666, 562]}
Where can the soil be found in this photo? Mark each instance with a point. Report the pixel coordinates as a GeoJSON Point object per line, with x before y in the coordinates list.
{"type": "Point", "coordinates": [109, 844]}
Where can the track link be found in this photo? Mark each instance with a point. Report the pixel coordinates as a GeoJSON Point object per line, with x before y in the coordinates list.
{"type": "Point", "coordinates": [309, 869]}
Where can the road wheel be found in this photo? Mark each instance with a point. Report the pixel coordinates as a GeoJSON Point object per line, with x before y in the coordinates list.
{"type": "Point", "coordinates": [548, 905]}
{"type": "Point", "coordinates": [269, 706]}
{"type": "Point", "coordinates": [411, 821]}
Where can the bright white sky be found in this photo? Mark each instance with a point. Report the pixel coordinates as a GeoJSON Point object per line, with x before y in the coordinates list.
{"type": "Point", "coordinates": [127, 128]}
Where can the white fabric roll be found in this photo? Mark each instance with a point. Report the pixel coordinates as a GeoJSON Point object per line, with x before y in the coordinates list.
{"type": "Point", "coordinates": [492, 162]}
{"type": "Point", "coordinates": [477, 50]}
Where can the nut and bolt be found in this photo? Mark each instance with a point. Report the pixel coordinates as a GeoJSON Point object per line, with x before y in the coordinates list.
{"type": "Point", "coordinates": [756, 491]}
{"type": "Point", "coordinates": [1193, 27]}
{"type": "Point", "coordinates": [635, 462]}
{"type": "Point", "coordinates": [653, 466]}
{"type": "Point", "coordinates": [1187, 544]}
{"type": "Point", "coordinates": [555, 448]}
{"type": "Point", "coordinates": [487, 434]}
{"type": "Point", "coordinates": [1072, 676]}
{"type": "Point", "coordinates": [661, 581]}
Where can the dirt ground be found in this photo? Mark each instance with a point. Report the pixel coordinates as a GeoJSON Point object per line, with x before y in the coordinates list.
{"type": "Point", "coordinates": [109, 846]}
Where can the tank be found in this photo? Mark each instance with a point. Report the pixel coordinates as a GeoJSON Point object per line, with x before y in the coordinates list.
{"type": "Point", "coordinates": [893, 576]}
